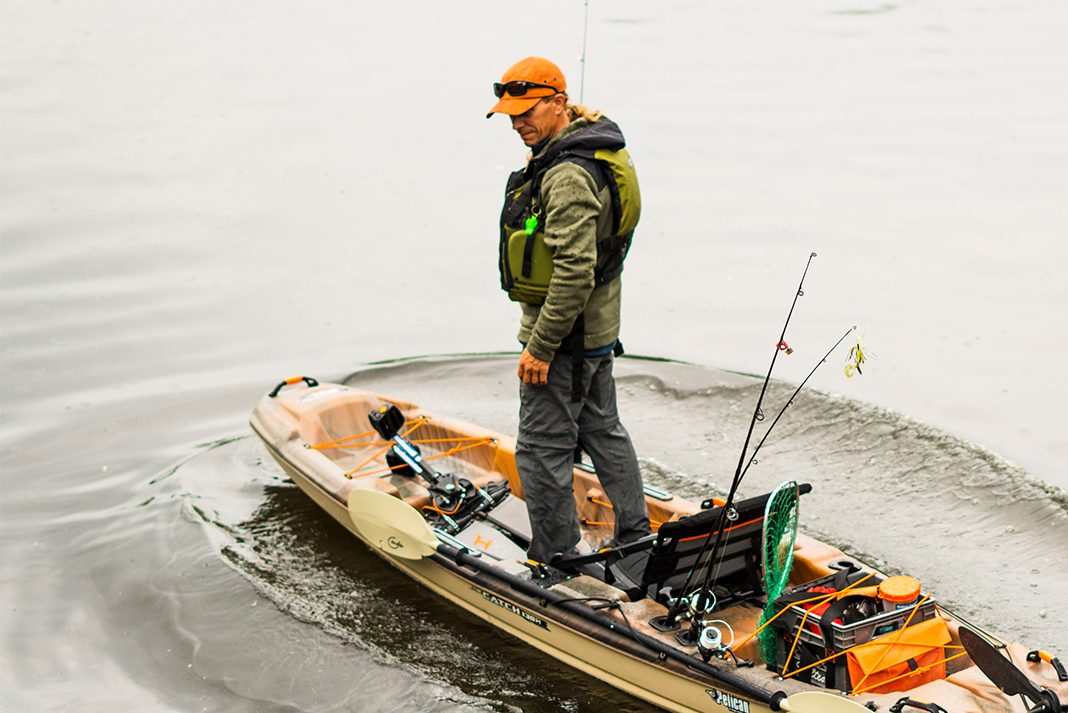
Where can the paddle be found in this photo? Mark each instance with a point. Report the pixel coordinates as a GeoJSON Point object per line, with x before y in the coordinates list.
{"type": "Point", "coordinates": [1004, 674]}
{"type": "Point", "coordinates": [394, 526]}
{"type": "Point", "coordinates": [391, 525]}
{"type": "Point", "coordinates": [820, 702]}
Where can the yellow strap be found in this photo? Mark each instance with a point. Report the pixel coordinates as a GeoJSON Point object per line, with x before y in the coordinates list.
{"type": "Point", "coordinates": [444, 454]}
{"type": "Point", "coordinates": [820, 599]}
{"type": "Point", "coordinates": [899, 633]}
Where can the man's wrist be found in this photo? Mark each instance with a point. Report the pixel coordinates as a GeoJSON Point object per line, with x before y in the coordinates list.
{"type": "Point", "coordinates": [538, 350]}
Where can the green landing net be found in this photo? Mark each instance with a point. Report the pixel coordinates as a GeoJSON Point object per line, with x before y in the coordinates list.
{"type": "Point", "coordinates": [780, 531]}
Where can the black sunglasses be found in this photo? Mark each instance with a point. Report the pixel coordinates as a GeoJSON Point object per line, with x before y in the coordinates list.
{"type": "Point", "coordinates": [517, 89]}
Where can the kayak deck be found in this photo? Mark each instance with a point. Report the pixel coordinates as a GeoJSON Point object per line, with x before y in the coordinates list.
{"type": "Point", "coordinates": [320, 436]}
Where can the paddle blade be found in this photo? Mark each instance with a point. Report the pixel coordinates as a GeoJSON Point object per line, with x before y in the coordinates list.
{"type": "Point", "coordinates": [391, 525]}
{"type": "Point", "coordinates": [820, 702]}
{"type": "Point", "coordinates": [1011, 680]}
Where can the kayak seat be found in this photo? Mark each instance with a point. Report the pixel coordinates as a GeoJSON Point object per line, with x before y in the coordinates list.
{"type": "Point", "coordinates": [661, 571]}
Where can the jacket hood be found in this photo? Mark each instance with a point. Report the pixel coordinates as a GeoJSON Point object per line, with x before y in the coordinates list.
{"type": "Point", "coordinates": [582, 135]}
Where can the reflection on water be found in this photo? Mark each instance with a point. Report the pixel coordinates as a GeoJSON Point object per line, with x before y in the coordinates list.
{"type": "Point", "coordinates": [314, 569]}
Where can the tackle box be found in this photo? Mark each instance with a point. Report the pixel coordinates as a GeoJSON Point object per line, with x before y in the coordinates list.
{"type": "Point", "coordinates": [812, 648]}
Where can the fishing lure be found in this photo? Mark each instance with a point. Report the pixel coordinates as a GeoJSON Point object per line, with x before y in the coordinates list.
{"type": "Point", "coordinates": [855, 359]}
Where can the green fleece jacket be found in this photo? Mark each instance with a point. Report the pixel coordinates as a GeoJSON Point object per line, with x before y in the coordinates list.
{"type": "Point", "coordinates": [575, 214]}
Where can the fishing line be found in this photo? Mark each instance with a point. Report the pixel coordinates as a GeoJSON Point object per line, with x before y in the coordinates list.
{"type": "Point", "coordinates": [790, 401]}
{"type": "Point", "coordinates": [728, 506]}
{"type": "Point", "coordinates": [752, 458]}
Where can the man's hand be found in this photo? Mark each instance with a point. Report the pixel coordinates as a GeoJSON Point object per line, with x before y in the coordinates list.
{"type": "Point", "coordinates": [533, 370]}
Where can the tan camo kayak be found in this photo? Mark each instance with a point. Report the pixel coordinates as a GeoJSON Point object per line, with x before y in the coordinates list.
{"type": "Point", "coordinates": [606, 618]}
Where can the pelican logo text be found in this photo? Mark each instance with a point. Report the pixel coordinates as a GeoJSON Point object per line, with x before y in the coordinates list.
{"type": "Point", "coordinates": [532, 618]}
{"type": "Point", "coordinates": [395, 544]}
{"type": "Point", "coordinates": [730, 702]}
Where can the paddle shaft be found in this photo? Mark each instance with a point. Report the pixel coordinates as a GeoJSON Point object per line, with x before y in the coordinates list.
{"type": "Point", "coordinates": [461, 557]}
{"type": "Point", "coordinates": [395, 527]}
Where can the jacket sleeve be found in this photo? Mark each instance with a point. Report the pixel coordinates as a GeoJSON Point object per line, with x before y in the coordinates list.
{"type": "Point", "coordinates": [570, 210]}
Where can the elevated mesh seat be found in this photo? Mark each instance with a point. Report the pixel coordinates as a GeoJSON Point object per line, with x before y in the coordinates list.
{"type": "Point", "coordinates": [661, 571]}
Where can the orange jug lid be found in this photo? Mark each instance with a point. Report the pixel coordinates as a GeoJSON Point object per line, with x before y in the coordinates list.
{"type": "Point", "coordinates": [901, 589]}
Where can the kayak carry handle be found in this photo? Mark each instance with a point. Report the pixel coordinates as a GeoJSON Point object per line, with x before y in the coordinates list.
{"type": "Point", "coordinates": [312, 383]}
{"type": "Point", "coordinates": [1039, 655]}
{"type": "Point", "coordinates": [919, 705]}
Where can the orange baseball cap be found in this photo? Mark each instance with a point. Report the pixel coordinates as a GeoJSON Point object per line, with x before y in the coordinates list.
{"type": "Point", "coordinates": [532, 70]}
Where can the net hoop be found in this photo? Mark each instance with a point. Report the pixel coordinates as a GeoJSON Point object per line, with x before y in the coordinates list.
{"type": "Point", "coordinates": [777, 548]}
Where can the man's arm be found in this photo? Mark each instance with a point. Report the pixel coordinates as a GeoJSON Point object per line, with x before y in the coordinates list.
{"type": "Point", "coordinates": [572, 206]}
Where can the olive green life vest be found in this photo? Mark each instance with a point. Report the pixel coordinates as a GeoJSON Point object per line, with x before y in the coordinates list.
{"type": "Point", "coordinates": [526, 263]}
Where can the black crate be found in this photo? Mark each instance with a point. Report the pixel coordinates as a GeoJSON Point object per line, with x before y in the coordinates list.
{"type": "Point", "coordinates": [812, 648]}
{"type": "Point", "coordinates": [829, 674]}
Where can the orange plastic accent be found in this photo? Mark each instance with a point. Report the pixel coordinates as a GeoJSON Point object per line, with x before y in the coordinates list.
{"type": "Point", "coordinates": [294, 380]}
{"type": "Point", "coordinates": [901, 589]}
{"type": "Point", "coordinates": [732, 527]}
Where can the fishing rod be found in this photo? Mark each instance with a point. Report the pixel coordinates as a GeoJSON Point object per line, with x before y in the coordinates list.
{"type": "Point", "coordinates": [728, 507]}
{"type": "Point", "coordinates": [582, 61]}
{"type": "Point", "coordinates": [790, 401]}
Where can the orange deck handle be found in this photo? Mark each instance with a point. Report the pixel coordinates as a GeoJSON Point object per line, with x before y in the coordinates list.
{"type": "Point", "coordinates": [1040, 655]}
{"type": "Point", "coordinates": [312, 383]}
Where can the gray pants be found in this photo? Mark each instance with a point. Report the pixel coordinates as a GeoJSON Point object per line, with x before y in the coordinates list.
{"type": "Point", "coordinates": [550, 426]}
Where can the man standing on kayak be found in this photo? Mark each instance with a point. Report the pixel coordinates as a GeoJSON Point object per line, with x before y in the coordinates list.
{"type": "Point", "coordinates": [566, 227]}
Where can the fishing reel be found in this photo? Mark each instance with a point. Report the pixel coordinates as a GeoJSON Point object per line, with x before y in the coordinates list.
{"type": "Point", "coordinates": [706, 633]}
{"type": "Point", "coordinates": [454, 502]}
{"type": "Point", "coordinates": [710, 643]}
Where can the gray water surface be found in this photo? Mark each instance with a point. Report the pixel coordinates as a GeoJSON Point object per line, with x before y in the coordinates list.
{"type": "Point", "coordinates": [197, 200]}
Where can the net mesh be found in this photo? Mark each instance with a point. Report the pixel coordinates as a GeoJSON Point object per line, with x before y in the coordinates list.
{"type": "Point", "coordinates": [780, 531]}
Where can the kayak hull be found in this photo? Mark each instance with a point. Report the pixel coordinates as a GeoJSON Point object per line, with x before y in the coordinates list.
{"type": "Point", "coordinates": [572, 642]}
{"type": "Point", "coordinates": [297, 423]}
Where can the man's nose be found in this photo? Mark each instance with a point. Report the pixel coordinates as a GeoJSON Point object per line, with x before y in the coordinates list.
{"type": "Point", "coordinates": [516, 121]}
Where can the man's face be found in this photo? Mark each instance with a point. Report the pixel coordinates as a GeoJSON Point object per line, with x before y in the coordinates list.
{"type": "Point", "coordinates": [540, 121]}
